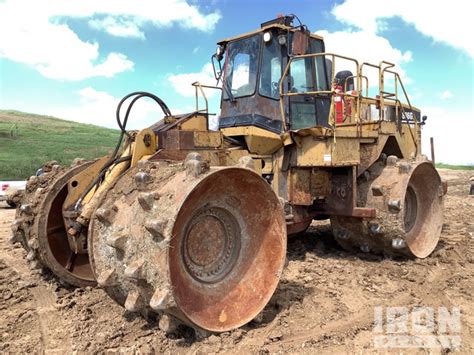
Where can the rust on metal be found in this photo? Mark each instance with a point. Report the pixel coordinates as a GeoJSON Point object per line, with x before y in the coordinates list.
{"type": "Point", "coordinates": [193, 224]}
{"type": "Point", "coordinates": [251, 256]}
{"type": "Point", "coordinates": [300, 42]}
{"type": "Point", "coordinates": [408, 214]}
{"type": "Point", "coordinates": [228, 244]}
{"type": "Point", "coordinates": [69, 261]}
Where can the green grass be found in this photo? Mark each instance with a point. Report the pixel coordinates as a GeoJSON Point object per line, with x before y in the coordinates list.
{"type": "Point", "coordinates": [27, 141]}
{"type": "Point", "coordinates": [455, 167]}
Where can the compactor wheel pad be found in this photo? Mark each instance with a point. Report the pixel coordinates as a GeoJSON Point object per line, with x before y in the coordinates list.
{"type": "Point", "coordinates": [408, 198]}
{"type": "Point", "coordinates": [205, 247]}
{"type": "Point", "coordinates": [39, 226]}
{"type": "Point", "coordinates": [27, 209]}
{"type": "Point", "coordinates": [53, 243]}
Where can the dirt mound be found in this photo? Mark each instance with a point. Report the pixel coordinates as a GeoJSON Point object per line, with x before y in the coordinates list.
{"type": "Point", "coordinates": [324, 302]}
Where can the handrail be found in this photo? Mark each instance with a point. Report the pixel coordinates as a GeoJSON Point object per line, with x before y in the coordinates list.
{"type": "Point", "coordinates": [383, 68]}
{"type": "Point", "coordinates": [318, 92]}
{"type": "Point", "coordinates": [399, 80]}
{"type": "Point", "coordinates": [403, 112]}
{"type": "Point", "coordinates": [383, 96]}
{"type": "Point", "coordinates": [361, 77]}
{"type": "Point", "coordinates": [197, 85]}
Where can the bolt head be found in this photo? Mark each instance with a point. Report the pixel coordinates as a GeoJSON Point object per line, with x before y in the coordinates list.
{"type": "Point", "coordinates": [392, 160]}
{"type": "Point", "coordinates": [398, 243]}
{"type": "Point", "coordinates": [395, 205]}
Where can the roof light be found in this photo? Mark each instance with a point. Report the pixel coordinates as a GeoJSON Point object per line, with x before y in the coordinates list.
{"type": "Point", "coordinates": [267, 36]}
{"type": "Point", "coordinates": [282, 40]}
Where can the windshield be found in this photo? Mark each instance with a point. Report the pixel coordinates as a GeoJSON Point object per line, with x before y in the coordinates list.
{"type": "Point", "coordinates": [271, 69]}
{"type": "Point", "coordinates": [241, 67]}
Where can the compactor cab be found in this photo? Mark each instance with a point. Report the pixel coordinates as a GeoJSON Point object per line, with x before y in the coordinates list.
{"type": "Point", "coordinates": [252, 66]}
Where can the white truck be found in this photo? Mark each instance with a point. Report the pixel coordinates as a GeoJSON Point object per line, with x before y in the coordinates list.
{"type": "Point", "coordinates": [8, 188]}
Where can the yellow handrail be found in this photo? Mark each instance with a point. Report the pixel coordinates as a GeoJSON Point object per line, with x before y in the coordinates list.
{"type": "Point", "coordinates": [383, 68]}
{"type": "Point", "coordinates": [198, 86]}
{"type": "Point", "coordinates": [318, 92]}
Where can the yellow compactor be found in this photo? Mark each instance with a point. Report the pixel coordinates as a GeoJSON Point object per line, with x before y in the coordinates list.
{"type": "Point", "coordinates": [192, 224]}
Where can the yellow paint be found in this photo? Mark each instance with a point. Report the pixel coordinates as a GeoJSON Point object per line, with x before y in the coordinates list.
{"type": "Point", "coordinates": [344, 152]}
{"type": "Point", "coordinates": [82, 180]}
{"type": "Point", "coordinates": [259, 140]}
{"type": "Point", "coordinates": [140, 148]}
{"type": "Point", "coordinates": [207, 139]}
{"type": "Point", "coordinates": [195, 123]}
{"type": "Point", "coordinates": [94, 196]}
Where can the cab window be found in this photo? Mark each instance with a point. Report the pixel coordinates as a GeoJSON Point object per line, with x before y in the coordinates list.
{"type": "Point", "coordinates": [271, 70]}
{"type": "Point", "coordinates": [308, 75]}
{"type": "Point", "coordinates": [241, 67]}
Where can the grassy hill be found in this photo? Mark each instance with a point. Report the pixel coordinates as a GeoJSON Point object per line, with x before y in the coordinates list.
{"type": "Point", "coordinates": [454, 167]}
{"type": "Point", "coordinates": [28, 140]}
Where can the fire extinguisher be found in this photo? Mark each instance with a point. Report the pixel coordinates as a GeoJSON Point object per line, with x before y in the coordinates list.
{"type": "Point", "coordinates": [339, 104]}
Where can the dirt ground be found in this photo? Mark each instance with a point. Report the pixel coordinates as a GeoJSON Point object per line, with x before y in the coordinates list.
{"type": "Point", "coordinates": [325, 301]}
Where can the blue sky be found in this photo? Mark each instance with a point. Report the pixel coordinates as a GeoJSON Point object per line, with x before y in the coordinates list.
{"type": "Point", "coordinates": [75, 59]}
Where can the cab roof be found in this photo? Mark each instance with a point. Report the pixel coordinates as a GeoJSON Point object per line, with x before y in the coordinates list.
{"type": "Point", "coordinates": [280, 23]}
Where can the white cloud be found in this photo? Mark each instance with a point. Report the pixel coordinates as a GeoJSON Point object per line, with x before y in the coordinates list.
{"type": "Point", "coordinates": [452, 144]}
{"type": "Point", "coordinates": [35, 32]}
{"type": "Point", "coordinates": [446, 95]}
{"type": "Point", "coordinates": [98, 107]}
{"type": "Point", "coordinates": [365, 46]}
{"type": "Point", "coordinates": [182, 82]}
{"type": "Point", "coordinates": [118, 27]}
{"type": "Point", "coordinates": [443, 22]}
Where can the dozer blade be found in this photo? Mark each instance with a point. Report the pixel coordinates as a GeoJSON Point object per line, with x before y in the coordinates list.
{"type": "Point", "coordinates": [205, 247]}
{"type": "Point", "coordinates": [408, 199]}
{"type": "Point", "coordinates": [41, 228]}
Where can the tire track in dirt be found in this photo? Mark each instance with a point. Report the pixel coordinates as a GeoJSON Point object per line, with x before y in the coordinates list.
{"type": "Point", "coordinates": [54, 337]}
{"type": "Point", "coordinates": [324, 303]}
{"type": "Point", "coordinates": [362, 320]}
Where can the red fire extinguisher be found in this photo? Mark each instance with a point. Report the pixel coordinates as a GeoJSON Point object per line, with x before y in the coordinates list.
{"type": "Point", "coordinates": [339, 104]}
{"type": "Point", "coordinates": [342, 106]}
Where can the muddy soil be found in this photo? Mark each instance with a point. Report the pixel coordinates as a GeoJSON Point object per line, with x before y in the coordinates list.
{"type": "Point", "coordinates": [325, 301]}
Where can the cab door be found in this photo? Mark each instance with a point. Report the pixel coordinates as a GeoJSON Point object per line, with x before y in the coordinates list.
{"type": "Point", "coordinates": [308, 75]}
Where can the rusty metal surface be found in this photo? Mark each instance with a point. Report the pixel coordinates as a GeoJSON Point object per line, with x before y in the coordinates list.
{"type": "Point", "coordinates": [51, 226]}
{"type": "Point", "coordinates": [189, 140]}
{"type": "Point", "coordinates": [27, 210]}
{"type": "Point", "coordinates": [40, 227]}
{"type": "Point", "coordinates": [300, 42]}
{"type": "Point", "coordinates": [408, 199]}
{"type": "Point", "coordinates": [252, 105]}
{"type": "Point", "coordinates": [176, 121]}
{"type": "Point", "coordinates": [294, 228]}
{"type": "Point", "coordinates": [300, 187]}
{"type": "Point", "coordinates": [341, 200]}
{"type": "Point", "coordinates": [248, 287]}
{"type": "Point", "coordinates": [220, 157]}
{"type": "Point", "coordinates": [204, 246]}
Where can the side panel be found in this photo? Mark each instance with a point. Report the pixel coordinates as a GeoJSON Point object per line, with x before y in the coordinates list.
{"type": "Point", "coordinates": [314, 152]}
